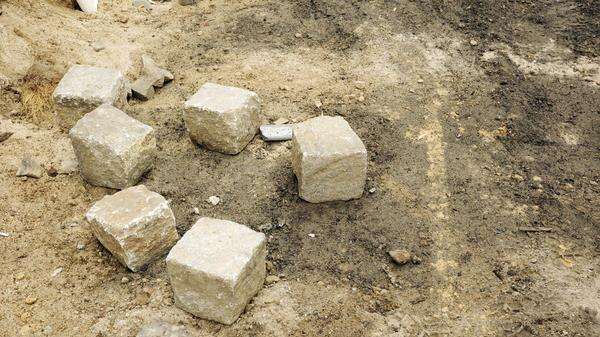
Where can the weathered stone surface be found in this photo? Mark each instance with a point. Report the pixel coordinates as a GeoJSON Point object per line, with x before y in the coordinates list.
{"type": "Point", "coordinates": [162, 329]}
{"type": "Point", "coordinates": [329, 160]}
{"type": "Point", "coordinates": [275, 133]}
{"type": "Point", "coordinates": [30, 168]}
{"type": "Point", "coordinates": [221, 118]}
{"type": "Point", "coordinates": [158, 76]}
{"type": "Point", "coordinates": [113, 150]}
{"type": "Point", "coordinates": [136, 225]}
{"type": "Point", "coordinates": [216, 268]}
{"type": "Point", "coordinates": [84, 88]}
{"type": "Point", "coordinates": [143, 88]}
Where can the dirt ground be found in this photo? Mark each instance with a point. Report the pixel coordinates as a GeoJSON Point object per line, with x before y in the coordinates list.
{"type": "Point", "coordinates": [480, 117]}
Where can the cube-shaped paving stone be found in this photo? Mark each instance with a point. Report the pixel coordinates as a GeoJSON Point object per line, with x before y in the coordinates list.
{"type": "Point", "coordinates": [329, 160]}
{"type": "Point", "coordinates": [84, 88]}
{"type": "Point", "coordinates": [113, 149]}
{"type": "Point", "coordinates": [223, 119]}
{"type": "Point", "coordinates": [136, 225]}
{"type": "Point", "coordinates": [216, 268]}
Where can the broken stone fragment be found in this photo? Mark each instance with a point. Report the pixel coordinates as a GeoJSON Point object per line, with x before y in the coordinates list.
{"type": "Point", "coordinates": [275, 133]}
{"type": "Point", "coordinates": [329, 160]}
{"type": "Point", "coordinates": [400, 256]}
{"type": "Point", "coordinates": [143, 88]}
{"type": "Point", "coordinates": [84, 88]}
{"type": "Point", "coordinates": [30, 168]}
{"type": "Point", "coordinates": [88, 6]}
{"type": "Point", "coordinates": [216, 268]}
{"type": "Point", "coordinates": [221, 118]}
{"type": "Point", "coordinates": [113, 150]}
{"type": "Point", "coordinates": [154, 73]}
{"type": "Point", "coordinates": [136, 225]}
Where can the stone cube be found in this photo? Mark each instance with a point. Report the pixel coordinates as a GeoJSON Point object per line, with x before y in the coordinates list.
{"type": "Point", "coordinates": [84, 88]}
{"type": "Point", "coordinates": [223, 119]}
{"type": "Point", "coordinates": [113, 149]}
{"type": "Point", "coordinates": [216, 268]}
{"type": "Point", "coordinates": [329, 160]}
{"type": "Point", "coordinates": [136, 225]}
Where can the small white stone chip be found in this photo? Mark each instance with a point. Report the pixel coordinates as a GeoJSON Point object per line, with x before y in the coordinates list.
{"type": "Point", "coordinates": [113, 150]}
{"type": "Point", "coordinates": [221, 118]}
{"type": "Point", "coordinates": [216, 268]}
{"type": "Point", "coordinates": [329, 160]}
{"type": "Point", "coordinates": [276, 133]}
{"type": "Point", "coordinates": [84, 88]}
{"type": "Point", "coordinates": [136, 225]}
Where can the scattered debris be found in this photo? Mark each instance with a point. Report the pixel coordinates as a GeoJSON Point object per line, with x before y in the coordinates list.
{"type": "Point", "coordinates": [4, 135]}
{"type": "Point", "coordinates": [535, 229]}
{"type": "Point", "coordinates": [275, 133]}
{"type": "Point", "coordinates": [401, 256]}
{"type": "Point", "coordinates": [240, 268]}
{"type": "Point", "coordinates": [30, 300]}
{"type": "Point", "coordinates": [143, 88]}
{"type": "Point", "coordinates": [213, 200]}
{"type": "Point", "coordinates": [30, 168]}
{"type": "Point", "coordinates": [272, 279]}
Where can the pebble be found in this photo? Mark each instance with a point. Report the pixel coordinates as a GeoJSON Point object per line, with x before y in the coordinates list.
{"type": "Point", "coordinates": [80, 246]}
{"type": "Point", "coordinates": [474, 42]}
{"type": "Point", "coordinates": [196, 211]}
{"type": "Point", "coordinates": [298, 35]}
{"type": "Point", "coordinates": [29, 168]}
{"type": "Point", "coordinates": [4, 234]}
{"type": "Point", "coordinates": [30, 300]}
{"type": "Point", "coordinates": [213, 200]}
{"type": "Point", "coordinates": [318, 103]}
{"type": "Point", "coordinates": [311, 235]}
{"type": "Point", "coordinates": [372, 190]}
{"type": "Point", "coordinates": [125, 279]}
{"type": "Point", "coordinates": [272, 279]}
{"type": "Point", "coordinates": [57, 271]}
{"type": "Point", "coordinates": [400, 256]}
{"type": "Point", "coordinates": [20, 276]}
{"type": "Point", "coordinates": [536, 179]}
{"type": "Point", "coordinates": [98, 46]}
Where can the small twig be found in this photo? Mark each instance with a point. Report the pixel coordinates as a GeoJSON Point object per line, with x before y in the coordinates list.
{"type": "Point", "coordinates": [535, 229]}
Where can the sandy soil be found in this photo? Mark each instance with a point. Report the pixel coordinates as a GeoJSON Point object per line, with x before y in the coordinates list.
{"type": "Point", "coordinates": [480, 117]}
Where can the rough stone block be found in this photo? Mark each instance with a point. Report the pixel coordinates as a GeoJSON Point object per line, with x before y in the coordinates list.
{"type": "Point", "coordinates": [216, 268]}
{"type": "Point", "coordinates": [136, 225]}
{"type": "Point", "coordinates": [84, 88]}
{"type": "Point", "coordinates": [223, 119]}
{"type": "Point", "coordinates": [329, 160]}
{"type": "Point", "coordinates": [113, 149]}
{"type": "Point", "coordinates": [143, 88]}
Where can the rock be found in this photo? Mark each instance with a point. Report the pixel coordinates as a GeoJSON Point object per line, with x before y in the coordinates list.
{"type": "Point", "coordinates": [401, 256]}
{"type": "Point", "coordinates": [473, 42]}
{"type": "Point", "coordinates": [98, 46]}
{"type": "Point", "coordinates": [223, 119]}
{"type": "Point", "coordinates": [154, 73]}
{"type": "Point", "coordinates": [30, 300]}
{"type": "Point", "coordinates": [187, 2]}
{"type": "Point", "coordinates": [274, 133]}
{"type": "Point", "coordinates": [80, 246]}
{"type": "Point", "coordinates": [329, 160]}
{"type": "Point", "coordinates": [30, 168]}
{"type": "Point", "coordinates": [136, 225]}
{"type": "Point", "coordinates": [113, 150]}
{"type": "Point", "coordinates": [88, 6]}
{"type": "Point", "coordinates": [143, 88]}
{"type": "Point", "coordinates": [162, 329]}
{"type": "Point", "coordinates": [216, 268]}
{"type": "Point", "coordinates": [272, 279]}
{"type": "Point", "coordinates": [372, 190]}
{"type": "Point", "coordinates": [213, 200]}
{"type": "Point", "coordinates": [124, 279]}
{"type": "Point", "coordinates": [16, 56]}
{"type": "Point", "coordinates": [57, 271]}
{"type": "Point", "coordinates": [4, 135]}
{"type": "Point", "coordinates": [85, 88]}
